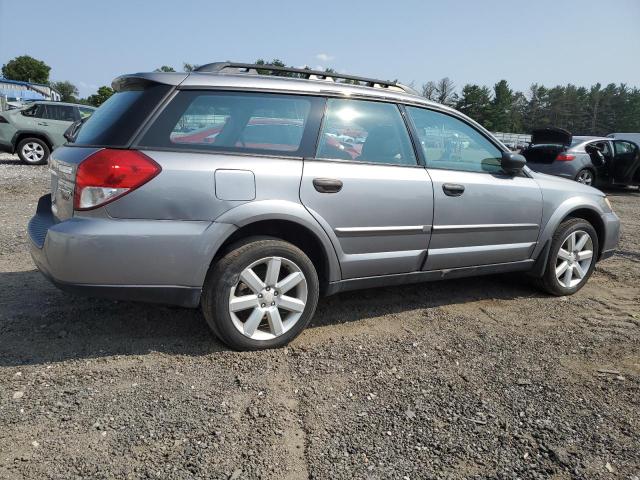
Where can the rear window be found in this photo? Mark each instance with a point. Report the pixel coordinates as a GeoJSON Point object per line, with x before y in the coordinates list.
{"type": "Point", "coordinates": [232, 121]}
{"type": "Point", "coordinates": [117, 119]}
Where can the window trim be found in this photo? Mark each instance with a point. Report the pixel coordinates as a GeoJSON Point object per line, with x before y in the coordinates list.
{"type": "Point", "coordinates": [418, 162]}
{"type": "Point", "coordinates": [309, 135]}
{"type": "Point", "coordinates": [414, 131]}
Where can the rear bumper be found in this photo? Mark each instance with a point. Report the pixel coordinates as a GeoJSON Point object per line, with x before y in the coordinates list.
{"type": "Point", "coordinates": [611, 234]}
{"type": "Point", "coordinates": [143, 260]}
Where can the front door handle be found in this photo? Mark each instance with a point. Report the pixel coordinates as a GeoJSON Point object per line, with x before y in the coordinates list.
{"type": "Point", "coordinates": [44, 124]}
{"type": "Point", "coordinates": [452, 189]}
{"type": "Point", "coordinates": [327, 185]}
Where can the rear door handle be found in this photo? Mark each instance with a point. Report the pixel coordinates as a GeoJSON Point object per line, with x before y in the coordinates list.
{"type": "Point", "coordinates": [327, 185]}
{"type": "Point", "coordinates": [452, 189]}
{"type": "Point", "coordinates": [44, 124]}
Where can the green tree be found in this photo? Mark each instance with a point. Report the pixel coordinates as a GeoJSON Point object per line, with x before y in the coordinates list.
{"type": "Point", "coordinates": [101, 96]}
{"type": "Point", "coordinates": [475, 101]}
{"type": "Point", "coordinates": [67, 90]}
{"type": "Point", "coordinates": [501, 107]}
{"type": "Point", "coordinates": [189, 67]}
{"type": "Point", "coordinates": [164, 68]}
{"type": "Point", "coordinates": [26, 69]}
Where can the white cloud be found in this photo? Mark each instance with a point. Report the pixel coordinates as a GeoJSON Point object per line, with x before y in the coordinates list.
{"type": "Point", "coordinates": [324, 57]}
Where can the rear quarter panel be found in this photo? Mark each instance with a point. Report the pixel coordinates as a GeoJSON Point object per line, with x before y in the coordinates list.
{"type": "Point", "coordinates": [186, 187]}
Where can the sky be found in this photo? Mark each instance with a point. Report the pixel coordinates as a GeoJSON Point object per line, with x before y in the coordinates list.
{"type": "Point", "coordinates": [549, 42]}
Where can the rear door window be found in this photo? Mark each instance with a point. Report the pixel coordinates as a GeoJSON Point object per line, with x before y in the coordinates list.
{"type": "Point", "coordinates": [362, 131]}
{"type": "Point", "coordinates": [234, 122]}
{"type": "Point", "coordinates": [63, 113]}
{"type": "Point", "coordinates": [622, 147]}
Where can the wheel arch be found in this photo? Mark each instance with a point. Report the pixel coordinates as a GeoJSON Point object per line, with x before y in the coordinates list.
{"type": "Point", "coordinates": [22, 134]}
{"type": "Point", "coordinates": [287, 221]}
{"type": "Point", "coordinates": [587, 212]}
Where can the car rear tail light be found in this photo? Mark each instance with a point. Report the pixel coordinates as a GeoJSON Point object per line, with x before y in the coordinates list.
{"type": "Point", "coordinates": [109, 174]}
{"type": "Point", "coordinates": [565, 157]}
{"type": "Point", "coordinates": [3, 120]}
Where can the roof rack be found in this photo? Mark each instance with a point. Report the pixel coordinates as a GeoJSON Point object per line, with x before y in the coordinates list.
{"type": "Point", "coordinates": [307, 74]}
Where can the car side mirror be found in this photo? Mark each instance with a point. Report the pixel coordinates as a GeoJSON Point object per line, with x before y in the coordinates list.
{"type": "Point", "coordinates": [512, 162]}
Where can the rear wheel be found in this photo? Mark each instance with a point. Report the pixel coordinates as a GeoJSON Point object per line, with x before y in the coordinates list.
{"type": "Point", "coordinates": [260, 295]}
{"type": "Point", "coordinates": [572, 257]}
{"type": "Point", "coordinates": [33, 151]}
{"type": "Point", "coordinates": [586, 177]}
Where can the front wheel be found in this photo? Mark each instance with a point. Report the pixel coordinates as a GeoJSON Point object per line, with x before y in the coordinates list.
{"type": "Point", "coordinates": [586, 177]}
{"type": "Point", "coordinates": [260, 295]}
{"type": "Point", "coordinates": [572, 257]}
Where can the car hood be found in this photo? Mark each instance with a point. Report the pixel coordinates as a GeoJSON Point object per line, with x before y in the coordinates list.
{"type": "Point", "coordinates": [559, 183]}
{"type": "Point", "coordinates": [551, 135]}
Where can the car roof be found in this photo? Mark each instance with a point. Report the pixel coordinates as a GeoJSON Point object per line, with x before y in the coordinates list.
{"type": "Point", "coordinates": [273, 83]}
{"type": "Point", "coordinates": [588, 138]}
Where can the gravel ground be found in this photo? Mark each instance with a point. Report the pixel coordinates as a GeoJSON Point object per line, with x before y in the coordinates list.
{"type": "Point", "coordinates": [471, 378]}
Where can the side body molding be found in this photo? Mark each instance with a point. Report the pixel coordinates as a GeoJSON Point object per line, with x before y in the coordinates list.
{"type": "Point", "coordinates": [261, 210]}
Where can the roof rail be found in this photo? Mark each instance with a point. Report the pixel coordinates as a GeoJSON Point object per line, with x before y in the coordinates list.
{"type": "Point", "coordinates": [307, 74]}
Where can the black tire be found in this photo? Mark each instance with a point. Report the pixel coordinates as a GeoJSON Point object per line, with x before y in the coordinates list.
{"type": "Point", "coordinates": [225, 274]}
{"type": "Point", "coordinates": [549, 282]}
{"type": "Point", "coordinates": [586, 176]}
{"type": "Point", "coordinates": [24, 155]}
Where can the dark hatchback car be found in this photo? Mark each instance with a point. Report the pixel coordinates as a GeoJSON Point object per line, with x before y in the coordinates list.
{"type": "Point", "coordinates": [590, 160]}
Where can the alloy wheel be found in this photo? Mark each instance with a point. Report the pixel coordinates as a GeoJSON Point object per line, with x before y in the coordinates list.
{"type": "Point", "coordinates": [585, 177]}
{"type": "Point", "coordinates": [33, 152]}
{"type": "Point", "coordinates": [268, 299]}
{"type": "Point", "coordinates": [574, 258]}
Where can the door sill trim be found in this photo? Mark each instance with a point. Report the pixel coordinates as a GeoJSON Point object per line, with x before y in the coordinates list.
{"type": "Point", "coordinates": [428, 276]}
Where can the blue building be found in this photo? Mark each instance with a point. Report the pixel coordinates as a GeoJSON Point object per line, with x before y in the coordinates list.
{"type": "Point", "coordinates": [14, 91]}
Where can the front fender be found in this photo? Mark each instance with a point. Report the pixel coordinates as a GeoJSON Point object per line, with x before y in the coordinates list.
{"type": "Point", "coordinates": [261, 210]}
{"type": "Point", "coordinates": [561, 212]}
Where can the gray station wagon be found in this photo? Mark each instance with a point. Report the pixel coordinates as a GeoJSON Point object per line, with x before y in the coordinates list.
{"type": "Point", "coordinates": [251, 195]}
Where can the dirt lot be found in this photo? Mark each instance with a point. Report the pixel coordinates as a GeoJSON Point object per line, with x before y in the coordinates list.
{"type": "Point", "coordinates": [471, 378]}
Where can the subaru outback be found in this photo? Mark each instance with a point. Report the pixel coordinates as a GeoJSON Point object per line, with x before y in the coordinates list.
{"type": "Point", "coordinates": [252, 195]}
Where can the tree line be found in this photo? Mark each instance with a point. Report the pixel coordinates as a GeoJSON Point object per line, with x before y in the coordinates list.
{"type": "Point", "coordinates": [594, 110]}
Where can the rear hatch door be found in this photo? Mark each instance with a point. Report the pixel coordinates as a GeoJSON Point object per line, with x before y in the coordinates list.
{"type": "Point", "coordinates": [551, 136]}
{"type": "Point", "coordinates": [546, 144]}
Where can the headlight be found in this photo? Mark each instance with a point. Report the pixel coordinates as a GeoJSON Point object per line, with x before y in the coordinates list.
{"type": "Point", "coordinates": [608, 203]}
